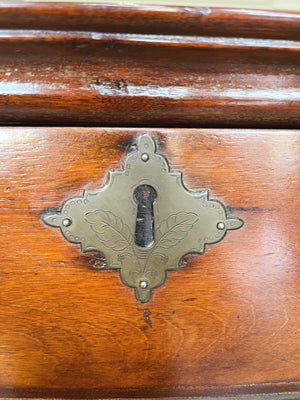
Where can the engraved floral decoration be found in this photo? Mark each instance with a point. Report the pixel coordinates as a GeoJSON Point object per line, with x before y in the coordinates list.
{"type": "Point", "coordinates": [104, 220]}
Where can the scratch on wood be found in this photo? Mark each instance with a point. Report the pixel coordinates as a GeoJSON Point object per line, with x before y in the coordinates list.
{"type": "Point", "coordinates": [147, 314]}
{"type": "Point", "coordinates": [190, 299]}
{"type": "Point", "coordinates": [251, 209]}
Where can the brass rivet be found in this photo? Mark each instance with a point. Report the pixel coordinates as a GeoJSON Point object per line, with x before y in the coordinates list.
{"type": "Point", "coordinates": [221, 226]}
{"type": "Point", "coordinates": [67, 222]}
{"type": "Point", "coordinates": [145, 157]}
{"type": "Point", "coordinates": [143, 284]}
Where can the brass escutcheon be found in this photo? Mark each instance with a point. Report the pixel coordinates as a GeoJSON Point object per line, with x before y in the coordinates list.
{"type": "Point", "coordinates": [143, 220]}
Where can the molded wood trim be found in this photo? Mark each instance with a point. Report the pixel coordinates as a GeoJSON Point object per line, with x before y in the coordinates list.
{"type": "Point", "coordinates": [107, 65]}
{"type": "Point", "coordinates": [150, 19]}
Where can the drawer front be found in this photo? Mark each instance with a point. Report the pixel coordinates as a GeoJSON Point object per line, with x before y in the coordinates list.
{"type": "Point", "coordinates": [226, 323]}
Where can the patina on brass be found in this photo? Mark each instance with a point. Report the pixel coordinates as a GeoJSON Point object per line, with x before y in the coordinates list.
{"type": "Point", "coordinates": [105, 220]}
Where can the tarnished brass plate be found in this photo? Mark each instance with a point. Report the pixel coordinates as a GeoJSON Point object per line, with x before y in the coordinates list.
{"type": "Point", "coordinates": [143, 220]}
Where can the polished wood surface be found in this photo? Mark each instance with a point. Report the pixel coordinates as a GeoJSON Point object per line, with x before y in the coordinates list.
{"type": "Point", "coordinates": [227, 323]}
{"type": "Point", "coordinates": [93, 64]}
{"type": "Point", "coordinates": [156, 19]}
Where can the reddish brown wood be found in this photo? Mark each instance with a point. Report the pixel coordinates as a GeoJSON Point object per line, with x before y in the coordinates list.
{"type": "Point", "coordinates": [225, 324]}
{"type": "Point", "coordinates": [147, 66]}
{"type": "Point", "coordinates": [152, 19]}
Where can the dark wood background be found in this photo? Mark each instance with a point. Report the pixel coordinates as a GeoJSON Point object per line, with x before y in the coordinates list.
{"type": "Point", "coordinates": [226, 323]}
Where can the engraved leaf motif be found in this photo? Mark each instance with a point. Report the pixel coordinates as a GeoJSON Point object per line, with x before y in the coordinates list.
{"type": "Point", "coordinates": [170, 232]}
{"type": "Point", "coordinates": [110, 230]}
{"type": "Point", "coordinates": [174, 229]}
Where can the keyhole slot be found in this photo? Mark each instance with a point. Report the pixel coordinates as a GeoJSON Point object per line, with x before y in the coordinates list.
{"type": "Point", "coordinates": [144, 196]}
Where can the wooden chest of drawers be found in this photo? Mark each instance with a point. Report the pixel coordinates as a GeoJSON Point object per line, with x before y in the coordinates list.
{"type": "Point", "coordinates": [218, 91]}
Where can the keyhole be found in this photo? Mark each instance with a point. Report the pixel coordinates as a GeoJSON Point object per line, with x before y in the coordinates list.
{"type": "Point", "coordinates": [144, 196]}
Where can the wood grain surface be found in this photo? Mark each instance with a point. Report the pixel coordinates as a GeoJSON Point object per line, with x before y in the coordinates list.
{"type": "Point", "coordinates": [155, 19]}
{"type": "Point", "coordinates": [227, 323]}
{"type": "Point", "coordinates": [93, 64]}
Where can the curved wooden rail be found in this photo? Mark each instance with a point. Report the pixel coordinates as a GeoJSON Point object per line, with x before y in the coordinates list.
{"type": "Point", "coordinates": [107, 65]}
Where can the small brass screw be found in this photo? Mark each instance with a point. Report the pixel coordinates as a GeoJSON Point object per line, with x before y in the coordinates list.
{"type": "Point", "coordinates": [145, 157]}
{"type": "Point", "coordinates": [67, 222]}
{"type": "Point", "coordinates": [221, 226]}
{"type": "Point", "coordinates": [143, 284]}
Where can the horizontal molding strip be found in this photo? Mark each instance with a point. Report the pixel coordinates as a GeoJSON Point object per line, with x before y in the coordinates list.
{"type": "Point", "coordinates": [149, 39]}
{"type": "Point", "coordinates": [156, 19]}
{"type": "Point", "coordinates": [201, 75]}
